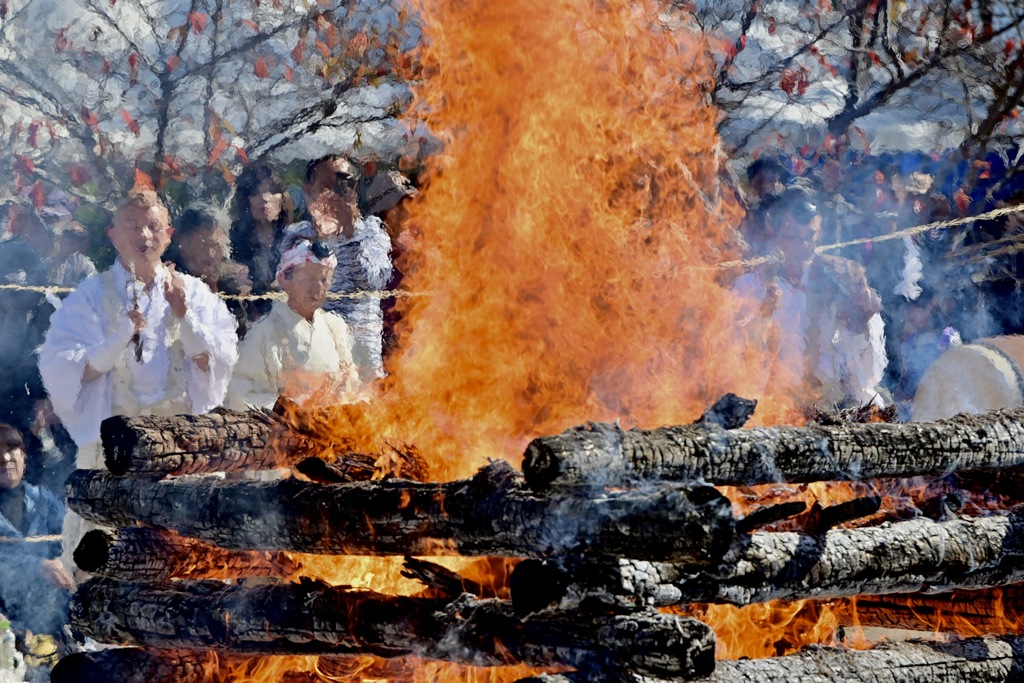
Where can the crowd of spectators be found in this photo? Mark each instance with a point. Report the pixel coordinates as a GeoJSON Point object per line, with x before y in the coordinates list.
{"type": "Point", "coordinates": [148, 333]}
{"type": "Point", "coordinates": [931, 296]}
{"type": "Point", "coordinates": [855, 324]}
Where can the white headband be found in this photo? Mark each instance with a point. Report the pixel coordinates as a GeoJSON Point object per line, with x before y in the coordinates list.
{"type": "Point", "coordinates": [301, 251]}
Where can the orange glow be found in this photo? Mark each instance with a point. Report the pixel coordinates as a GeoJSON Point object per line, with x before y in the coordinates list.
{"type": "Point", "coordinates": [771, 629]}
{"type": "Point", "coordinates": [562, 258]}
{"type": "Point", "coordinates": [563, 250]}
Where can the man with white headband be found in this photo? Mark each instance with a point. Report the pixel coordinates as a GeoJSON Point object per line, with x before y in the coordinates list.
{"type": "Point", "coordinates": [297, 350]}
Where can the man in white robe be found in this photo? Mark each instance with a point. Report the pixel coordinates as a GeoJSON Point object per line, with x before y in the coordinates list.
{"type": "Point", "coordinates": [815, 314]}
{"type": "Point", "coordinates": [137, 339]}
{"type": "Point", "coordinates": [297, 350]}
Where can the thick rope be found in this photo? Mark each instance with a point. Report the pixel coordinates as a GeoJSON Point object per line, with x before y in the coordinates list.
{"type": "Point", "coordinates": [755, 261]}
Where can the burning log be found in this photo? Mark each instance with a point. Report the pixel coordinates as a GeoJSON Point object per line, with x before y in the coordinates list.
{"type": "Point", "coordinates": [490, 514]}
{"type": "Point", "coordinates": [231, 441]}
{"type": "Point", "coordinates": [141, 554]}
{"type": "Point", "coordinates": [604, 454]}
{"type": "Point", "coordinates": [219, 441]}
{"type": "Point", "coordinates": [905, 557]}
{"type": "Point", "coordinates": [973, 659]}
{"type": "Point", "coordinates": [313, 618]}
{"type": "Point", "coordinates": [134, 665]}
{"type": "Point", "coordinates": [993, 611]}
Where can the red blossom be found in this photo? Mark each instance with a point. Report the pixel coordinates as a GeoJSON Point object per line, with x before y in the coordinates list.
{"type": "Point", "coordinates": [79, 175]}
{"type": "Point", "coordinates": [962, 199]}
{"type": "Point", "coordinates": [198, 20]}
{"type": "Point", "coordinates": [222, 144]}
{"type": "Point", "coordinates": [143, 181]}
{"type": "Point", "coordinates": [24, 163]}
{"type": "Point", "coordinates": [33, 133]}
{"type": "Point", "coordinates": [38, 194]}
{"type": "Point", "coordinates": [259, 67]}
{"type": "Point", "coordinates": [133, 125]}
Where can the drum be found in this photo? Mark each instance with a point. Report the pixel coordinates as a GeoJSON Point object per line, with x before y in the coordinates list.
{"type": "Point", "coordinates": [972, 378]}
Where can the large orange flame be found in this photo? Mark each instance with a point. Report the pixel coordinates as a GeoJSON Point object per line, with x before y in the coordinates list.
{"type": "Point", "coordinates": [563, 256]}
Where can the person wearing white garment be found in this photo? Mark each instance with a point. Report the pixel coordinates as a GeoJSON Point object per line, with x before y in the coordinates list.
{"type": "Point", "coordinates": [815, 314]}
{"type": "Point", "coordinates": [297, 350]}
{"type": "Point", "coordinates": [137, 339]}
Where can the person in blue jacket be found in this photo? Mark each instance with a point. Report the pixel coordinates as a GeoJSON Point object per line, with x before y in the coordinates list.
{"type": "Point", "coordinates": [34, 586]}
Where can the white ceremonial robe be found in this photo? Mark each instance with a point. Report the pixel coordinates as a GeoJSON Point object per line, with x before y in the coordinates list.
{"type": "Point", "coordinates": [364, 268]}
{"type": "Point", "coordinates": [93, 326]}
{"type": "Point", "coordinates": [285, 354]}
{"type": "Point", "coordinates": [848, 364]}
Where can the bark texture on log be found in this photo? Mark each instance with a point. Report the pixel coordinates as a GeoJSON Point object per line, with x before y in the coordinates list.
{"type": "Point", "coordinates": [602, 454]}
{"type": "Point", "coordinates": [974, 660]}
{"type": "Point", "coordinates": [143, 554]}
{"type": "Point", "coordinates": [220, 441]}
{"type": "Point", "coordinates": [905, 557]}
{"type": "Point", "coordinates": [312, 618]}
{"type": "Point", "coordinates": [489, 514]}
{"type": "Point", "coordinates": [134, 665]}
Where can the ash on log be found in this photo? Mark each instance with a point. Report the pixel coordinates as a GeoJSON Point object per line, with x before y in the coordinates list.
{"type": "Point", "coordinates": [980, 660]}
{"type": "Point", "coordinates": [602, 454]}
{"type": "Point", "coordinates": [489, 514]}
{"type": "Point", "coordinates": [141, 554]}
{"type": "Point", "coordinates": [313, 618]}
{"type": "Point", "coordinates": [903, 557]}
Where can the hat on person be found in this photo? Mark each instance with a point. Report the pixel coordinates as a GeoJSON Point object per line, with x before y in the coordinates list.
{"type": "Point", "coordinates": [306, 251]}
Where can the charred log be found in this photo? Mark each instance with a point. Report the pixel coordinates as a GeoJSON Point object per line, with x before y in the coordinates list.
{"type": "Point", "coordinates": [134, 665]}
{"type": "Point", "coordinates": [141, 554]}
{"type": "Point", "coordinates": [974, 659]}
{"type": "Point", "coordinates": [606, 454]}
{"type": "Point", "coordinates": [219, 441]}
{"type": "Point", "coordinates": [313, 618]}
{"type": "Point", "coordinates": [769, 514]}
{"type": "Point", "coordinates": [820, 518]}
{"type": "Point", "coordinates": [729, 412]}
{"type": "Point", "coordinates": [489, 514]}
{"type": "Point", "coordinates": [906, 557]}
{"type": "Point", "coordinates": [440, 580]}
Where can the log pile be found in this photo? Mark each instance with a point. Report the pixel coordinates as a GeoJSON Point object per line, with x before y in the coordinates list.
{"type": "Point", "coordinates": [608, 527]}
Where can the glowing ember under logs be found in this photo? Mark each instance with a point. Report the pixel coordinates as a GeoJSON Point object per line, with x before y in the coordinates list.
{"type": "Point", "coordinates": [313, 618]}
{"type": "Point", "coordinates": [489, 514]}
{"type": "Point", "coordinates": [963, 612]}
{"type": "Point", "coordinates": [907, 557]}
{"type": "Point", "coordinates": [605, 454]}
